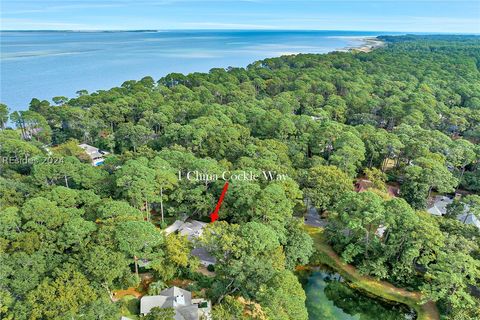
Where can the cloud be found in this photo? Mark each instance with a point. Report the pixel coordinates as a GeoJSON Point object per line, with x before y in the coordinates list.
{"type": "Point", "coordinates": [242, 14]}
{"type": "Point", "coordinates": [30, 24]}
{"type": "Point", "coordinates": [61, 8]}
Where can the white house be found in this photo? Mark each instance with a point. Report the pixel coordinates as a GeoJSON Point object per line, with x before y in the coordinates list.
{"type": "Point", "coordinates": [95, 154]}
{"type": "Point", "coordinates": [469, 218]}
{"type": "Point", "coordinates": [173, 227]}
{"type": "Point", "coordinates": [439, 207]}
{"type": "Point", "coordinates": [178, 299]}
{"type": "Point", "coordinates": [192, 229]}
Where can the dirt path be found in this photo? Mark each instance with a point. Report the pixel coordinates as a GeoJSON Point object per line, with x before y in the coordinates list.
{"type": "Point", "coordinates": [383, 289]}
{"type": "Point", "coordinates": [119, 294]}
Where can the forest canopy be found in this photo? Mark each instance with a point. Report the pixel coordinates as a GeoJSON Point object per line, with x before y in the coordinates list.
{"type": "Point", "coordinates": [404, 115]}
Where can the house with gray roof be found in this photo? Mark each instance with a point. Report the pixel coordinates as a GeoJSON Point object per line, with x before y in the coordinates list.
{"type": "Point", "coordinates": [178, 299]}
{"type": "Point", "coordinates": [192, 229]}
{"type": "Point", "coordinates": [439, 206]}
{"type": "Point", "coordinates": [95, 154]}
{"type": "Point", "coordinates": [205, 257]}
{"type": "Point", "coordinates": [469, 218]}
{"type": "Point", "coordinates": [173, 227]}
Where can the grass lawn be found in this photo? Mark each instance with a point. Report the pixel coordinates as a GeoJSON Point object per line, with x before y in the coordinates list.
{"type": "Point", "coordinates": [383, 289]}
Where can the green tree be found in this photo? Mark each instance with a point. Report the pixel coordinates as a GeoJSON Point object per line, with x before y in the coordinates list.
{"type": "Point", "coordinates": [359, 215]}
{"type": "Point", "coordinates": [166, 179]}
{"type": "Point", "coordinates": [451, 276]}
{"type": "Point", "coordinates": [247, 256]}
{"type": "Point", "coordinates": [105, 266]}
{"type": "Point", "coordinates": [130, 136]}
{"type": "Point", "coordinates": [32, 125]}
{"type": "Point", "coordinates": [284, 298]}
{"type": "Point", "coordinates": [468, 204]}
{"type": "Point", "coordinates": [3, 115]}
{"type": "Point", "coordinates": [159, 313]}
{"type": "Point", "coordinates": [461, 154]}
{"type": "Point", "coordinates": [432, 173]}
{"type": "Point", "coordinates": [118, 211]}
{"type": "Point", "coordinates": [299, 245]}
{"type": "Point", "coordinates": [377, 177]}
{"type": "Point", "coordinates": [348, 154]}
{"type": "Point", "coordinates": [138, 239]}
{"type": "Point", "coordinates": [62, 296]}
{"type": "Point", "coordinates": [325, 184]}
{"type": "Point", "coordinates": [136, 182]}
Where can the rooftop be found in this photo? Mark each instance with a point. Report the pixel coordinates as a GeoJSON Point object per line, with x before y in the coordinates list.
{"type": "Point", "coordinates": [93, 152]}
{"type": "Point", "coordinates": [181, 301]}
{"type": "Point", "coordinates": [469, 218]}
{"type": "Point", "coordinates": [190, 228]}
{"type": "Point", "coordinates": [439, 206]}
{"type": "Point", "coordinates": [174, 297]}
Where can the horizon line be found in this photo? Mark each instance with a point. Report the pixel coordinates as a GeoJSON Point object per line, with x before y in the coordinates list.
{"type": "Point", "coordinates": [238, 29]}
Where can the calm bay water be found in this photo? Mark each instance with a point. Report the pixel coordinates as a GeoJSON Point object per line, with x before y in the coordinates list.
{"type": "Point", "coordinates": [48, 63]}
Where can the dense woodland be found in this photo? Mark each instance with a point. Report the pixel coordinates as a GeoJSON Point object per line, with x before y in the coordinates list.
{"type": "Point", "coordinates": [407, 114]}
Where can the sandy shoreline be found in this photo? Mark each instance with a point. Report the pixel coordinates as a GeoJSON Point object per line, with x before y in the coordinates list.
{"type": "Point", "coordinates": [367, 44]}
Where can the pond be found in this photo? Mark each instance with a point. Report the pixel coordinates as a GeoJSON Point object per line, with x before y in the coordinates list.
{"type": "Point", "coordinates": [329, 297]}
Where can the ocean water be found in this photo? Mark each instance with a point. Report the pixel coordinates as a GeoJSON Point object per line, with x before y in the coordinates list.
{"type": "Point", "coordinates": [45, 64]}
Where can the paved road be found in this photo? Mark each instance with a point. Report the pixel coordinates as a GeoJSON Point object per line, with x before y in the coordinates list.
{"type": "Point", "coordinates": [312, 218]}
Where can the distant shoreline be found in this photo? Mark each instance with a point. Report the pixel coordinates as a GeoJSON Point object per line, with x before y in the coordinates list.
{"type": "Point", "coordinates": [120, 56]}
{"type": "Point", "coordinates": [368, 44]}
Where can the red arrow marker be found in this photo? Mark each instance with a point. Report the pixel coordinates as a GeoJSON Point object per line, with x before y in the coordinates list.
{"type": "Point", "coordinates": [214, 214]}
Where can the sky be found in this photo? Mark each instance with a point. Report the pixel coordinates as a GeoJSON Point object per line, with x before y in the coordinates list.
{"type": "Point", "coordinates": [379, 15]}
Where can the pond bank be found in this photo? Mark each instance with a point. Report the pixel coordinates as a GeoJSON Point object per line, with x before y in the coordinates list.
{"type": "Point", "coordinates": [382, 289]}
{"type": "Point", "coordinates": [331, 297]}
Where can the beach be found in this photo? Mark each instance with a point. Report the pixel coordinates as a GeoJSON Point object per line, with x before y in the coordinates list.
{"type": "Point", "coordinates": [370, 43]}
{"type": "Point", "coordinates": [362, 44]}
{"type": "Point", "coordinates": [47, 64]}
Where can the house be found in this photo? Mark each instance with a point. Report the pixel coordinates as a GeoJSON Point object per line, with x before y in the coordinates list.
{"type": "Point", "coordinates": [192, 229]}
{"type": "Point", "coordinates": [29, 132]}
{"type": "Point", "coordinates": [393, 191]}
{"type": "Point", "coordinates": [205, 257]}
{"type": "Point", "coordinates": [178, 299]}
{"type": "Point", "coordinates": [439, 206]}
{"type": "Point", "coordinates": [363, 185]}
{"type": "Point", "coordinates": [95, 154]}
{"type": "Point", "coordinates": [204, 308]}
{"type": "Point", "coordinates": [173, 227]}
{"type": "Point", "coordinates": [380, 230]}
{"type": "Point", "coordinates": [469, 218]}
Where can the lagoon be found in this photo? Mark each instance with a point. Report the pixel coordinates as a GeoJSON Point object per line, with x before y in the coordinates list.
{"type": "Point", "coordinates": [329, 297]}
